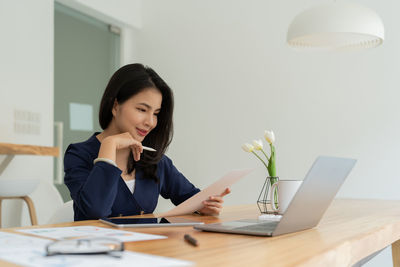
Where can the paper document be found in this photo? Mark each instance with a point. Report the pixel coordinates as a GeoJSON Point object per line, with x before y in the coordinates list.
{"type": "Point", "coordinates": [74, 232]}
{"type": "Point", "coordinates": [195, 202]}
{"type": "Point", "coordinates": [30, 251]}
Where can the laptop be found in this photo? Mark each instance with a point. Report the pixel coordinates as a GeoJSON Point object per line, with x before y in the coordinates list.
{"type": "Point", "coordinates": [307, 207]}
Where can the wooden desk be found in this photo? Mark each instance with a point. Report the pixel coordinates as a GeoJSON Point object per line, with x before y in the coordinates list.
{"type": "Point", "coordinates": [350, 231]}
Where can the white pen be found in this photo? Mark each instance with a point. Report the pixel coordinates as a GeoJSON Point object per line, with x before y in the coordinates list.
{"type": "Point", "coordinates": [149, 148]}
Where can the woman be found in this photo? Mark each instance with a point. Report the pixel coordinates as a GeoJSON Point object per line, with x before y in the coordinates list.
{"type": "Point", "coordinates": [110, 174]}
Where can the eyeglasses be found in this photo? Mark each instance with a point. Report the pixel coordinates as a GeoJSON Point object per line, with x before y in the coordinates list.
{"type": "Point", "coordinates": [97, 245]}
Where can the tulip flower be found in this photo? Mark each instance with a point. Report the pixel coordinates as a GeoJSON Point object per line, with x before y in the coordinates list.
{"type": "Point", "coordinates": [258, 144]}
{"type": "Point", "coordinates": [247, 147]}
{"type": "Point", "coordinates": [269, 136]}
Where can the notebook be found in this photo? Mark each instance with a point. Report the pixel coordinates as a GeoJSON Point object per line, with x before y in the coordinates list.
{"type": "Point", "coordinates": [307, 207]}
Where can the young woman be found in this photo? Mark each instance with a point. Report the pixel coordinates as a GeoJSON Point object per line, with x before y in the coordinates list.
{"type": "Point", "coordinates": [110, 174]}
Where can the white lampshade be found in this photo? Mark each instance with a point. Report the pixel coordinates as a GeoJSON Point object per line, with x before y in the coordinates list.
{"type": "Point", "coordinates": [336, 26]}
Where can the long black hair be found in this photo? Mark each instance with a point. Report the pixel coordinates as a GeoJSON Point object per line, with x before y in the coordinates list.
{"type": "Point", "coordinates": [126, 82]}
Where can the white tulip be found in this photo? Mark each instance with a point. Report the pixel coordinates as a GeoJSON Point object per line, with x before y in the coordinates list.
{"type": "Point", "coordinates": [269, 136]}
{"type": "Point", "coordinates": [258, 144]}
{"type": "Point", "coordinates": [247, 147]}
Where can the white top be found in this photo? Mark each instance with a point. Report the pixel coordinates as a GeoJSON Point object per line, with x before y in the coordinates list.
{"type": "Point", "coordinates": [131, 185]}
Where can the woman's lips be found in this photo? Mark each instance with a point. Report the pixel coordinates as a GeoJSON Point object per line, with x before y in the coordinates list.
{"type": "Point", "coordinates": [142, 132]}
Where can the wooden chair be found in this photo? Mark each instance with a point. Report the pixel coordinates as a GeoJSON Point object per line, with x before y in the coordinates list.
{"type": "Point", "coordinates": [29, 203]}
{"type": "Point", "coordinates": [19, 189]}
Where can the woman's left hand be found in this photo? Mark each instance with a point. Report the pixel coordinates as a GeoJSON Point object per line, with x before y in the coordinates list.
{"type": "Point", "coordinates": [213, 205]}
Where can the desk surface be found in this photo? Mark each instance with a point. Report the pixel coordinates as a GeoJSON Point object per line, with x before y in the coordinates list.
{"type": "Point", "coordinates": [349, 231]}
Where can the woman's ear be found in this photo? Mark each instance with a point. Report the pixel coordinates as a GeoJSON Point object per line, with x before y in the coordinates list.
{"type": "Point", "coordinates": [115, 108]}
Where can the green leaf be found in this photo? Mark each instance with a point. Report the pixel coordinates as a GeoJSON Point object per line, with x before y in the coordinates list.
{"type": "Point", "coordinates": [271, 163]}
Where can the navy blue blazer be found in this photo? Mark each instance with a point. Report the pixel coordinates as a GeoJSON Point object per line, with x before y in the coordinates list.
{"type": "Point", "coordinates": [98, 191]}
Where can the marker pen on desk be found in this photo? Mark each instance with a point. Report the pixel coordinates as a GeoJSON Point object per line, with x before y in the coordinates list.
{"type": "Point", "coordinates": [190, 240]}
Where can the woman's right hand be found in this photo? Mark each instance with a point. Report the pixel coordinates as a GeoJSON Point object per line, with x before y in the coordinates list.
{"type": "Point", "coordinates": [112, 143]}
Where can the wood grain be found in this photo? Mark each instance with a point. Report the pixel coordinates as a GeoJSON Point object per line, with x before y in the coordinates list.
{"type": "Point", "coordinates": [349, 231]}
{"type": "Point", "coordinates": [16, 149]}
{"type": "Point", "coordinates": [396, 253]}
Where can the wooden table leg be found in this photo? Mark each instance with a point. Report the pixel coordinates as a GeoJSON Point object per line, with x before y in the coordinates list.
{"type": "Point", "coordinates": [32, 211]}
{"type": "Point", "coordinates": [396, 253]}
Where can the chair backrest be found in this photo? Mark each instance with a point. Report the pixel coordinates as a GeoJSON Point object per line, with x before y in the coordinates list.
{"type": "Point", "coordinates": [63, 214]}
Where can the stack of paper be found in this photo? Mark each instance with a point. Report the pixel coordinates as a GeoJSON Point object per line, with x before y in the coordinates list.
{"type": "Point", "coordinates": [31, 251]}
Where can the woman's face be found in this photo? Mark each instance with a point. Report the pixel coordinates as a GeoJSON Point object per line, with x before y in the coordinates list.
{"type": "Point", "coordinates": [138, 114]}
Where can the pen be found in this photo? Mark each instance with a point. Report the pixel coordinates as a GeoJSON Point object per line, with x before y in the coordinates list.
{"type": "Point", "coordinates": [149, 148]}
{"type": "Point", "coordinates": [190, 240]}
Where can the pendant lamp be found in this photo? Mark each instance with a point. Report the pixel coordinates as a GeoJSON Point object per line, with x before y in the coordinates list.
{"type": "Point", "coordinates": [336, 26]}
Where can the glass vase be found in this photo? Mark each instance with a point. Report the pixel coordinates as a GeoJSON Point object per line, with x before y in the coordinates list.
{"type": "Point", "coordinates": [268, 201]}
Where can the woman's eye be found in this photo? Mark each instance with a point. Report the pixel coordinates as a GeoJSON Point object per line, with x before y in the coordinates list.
{"type": "Point", "coordinates": [155, 114]}
{"type": "Point", "coordinates": [141, 110]}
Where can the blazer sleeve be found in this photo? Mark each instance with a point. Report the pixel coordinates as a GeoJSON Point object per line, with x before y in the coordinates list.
{"type": "Point", "coordinates": [93, 187]}
{"type": "Point", "coordinates": [174, 184]}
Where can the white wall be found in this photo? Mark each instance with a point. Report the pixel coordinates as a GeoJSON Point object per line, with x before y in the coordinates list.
{"type": "Point", "coordinates": [26, 84]}
{"type": "Point", "coordinates": [234, 76]}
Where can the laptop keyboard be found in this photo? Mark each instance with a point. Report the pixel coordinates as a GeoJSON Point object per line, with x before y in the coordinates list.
{"type": "Point", "coordinates": [259, 227]}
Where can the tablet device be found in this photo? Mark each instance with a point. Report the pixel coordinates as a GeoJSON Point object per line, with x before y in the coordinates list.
{"type": "Point", "coordinates": [148, 222]}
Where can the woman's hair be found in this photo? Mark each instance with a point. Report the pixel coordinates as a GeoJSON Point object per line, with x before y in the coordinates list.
{"type": "Point", "coordinates": [126, 82]}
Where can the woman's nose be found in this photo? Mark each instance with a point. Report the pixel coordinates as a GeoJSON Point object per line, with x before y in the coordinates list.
{"type": "Point", "coordinates": [150, 120]}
